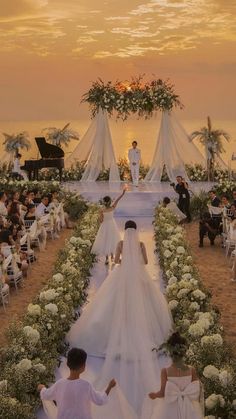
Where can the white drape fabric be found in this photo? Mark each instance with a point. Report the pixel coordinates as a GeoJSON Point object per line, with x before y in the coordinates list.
{"type": "Point", "coordinates": [173, 149]}
{"type": "Point", "coordinates": [96, 148]}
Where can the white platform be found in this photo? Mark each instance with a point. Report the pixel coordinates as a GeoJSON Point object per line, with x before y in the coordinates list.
{"type": "Point", "coordinates": [139, 201]}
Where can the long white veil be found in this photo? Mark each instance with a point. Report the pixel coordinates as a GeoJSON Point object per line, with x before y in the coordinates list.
{"type": "Point", "coordinates": [129, 355]}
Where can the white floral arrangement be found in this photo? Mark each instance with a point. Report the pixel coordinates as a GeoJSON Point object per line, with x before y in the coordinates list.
{"type": "Point", "coordinates": [36, 343]}
{"type": "Point", "coordinates": [196, 318]}
{"type": "Point", "coordinates": [132, 97]}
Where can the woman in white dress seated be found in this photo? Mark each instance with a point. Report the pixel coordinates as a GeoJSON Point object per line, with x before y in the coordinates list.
{"type": "Point", "coordinates": [173, 207]}
{"type": "Point", "coordinates": [108, 234]}
{"type": "Point", "coordinates": [179, 396]}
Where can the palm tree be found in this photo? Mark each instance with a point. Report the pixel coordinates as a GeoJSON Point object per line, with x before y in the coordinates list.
{"type": "Point", "coordinates": [14, 142]}
{"type": "Point", "coordinates": [62, 136]}
{"type": "Point", "coordinates": [212, 140]}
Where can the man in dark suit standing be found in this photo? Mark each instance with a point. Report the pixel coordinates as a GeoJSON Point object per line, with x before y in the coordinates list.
{"type": "Point", "coordinates": [215, 201]}
{"type": "Point", "coordinates": [184, 197]}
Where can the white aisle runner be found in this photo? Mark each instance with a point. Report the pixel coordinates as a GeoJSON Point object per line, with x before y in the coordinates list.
{"type": "Point", "coordinates": [99, 273]}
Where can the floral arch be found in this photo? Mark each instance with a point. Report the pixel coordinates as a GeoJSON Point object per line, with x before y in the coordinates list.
{"type": "Point", "coordinates": [124, 99]}
{"type": "Point", "coordinates": [132, 97]}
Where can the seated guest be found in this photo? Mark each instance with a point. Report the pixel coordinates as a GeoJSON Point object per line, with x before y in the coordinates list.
{"type": "Point", "coordinates": [30, 197]}
{"type": "Point", "coordinates": [234, 197]}
{"type": "Point", "coordinates": [37, 196]}
{"type": "Point", "coordinates": [23, 196]}
{"type": "Point", "coordinates": [225, 202]}
{"type": "Point", "coordinates": [14, 213]}
{"type": "Point", "coordinates": [3, 207]}
{"type": "Point", "coordinates": [73, 395]}
{"type": "Point", "coordinates": [180, 386]}
{"type": "Point", "coordinates": [232, 213]}
{"type": "Point", "coordinates": [171, 205]}
{"type": "Point", "coordinates": [214, 200]}
{"type": "Point", "coordinates": [208, 227]}
{"type": "Point", "coordinates": [6, 236]}
{"type": "Point", "coordinates": [30, 214]}
{"type": "Point", "coordinates": [16, 196]}
{"type": "Point", "coordinates": [42, 208]}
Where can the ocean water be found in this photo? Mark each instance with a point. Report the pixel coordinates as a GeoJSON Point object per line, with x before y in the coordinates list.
{"type": "Point", "coordinates": [123, 133]}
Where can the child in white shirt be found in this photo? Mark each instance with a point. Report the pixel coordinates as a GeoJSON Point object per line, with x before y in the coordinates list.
{"type": "Point", "coordinates": [74, 395]}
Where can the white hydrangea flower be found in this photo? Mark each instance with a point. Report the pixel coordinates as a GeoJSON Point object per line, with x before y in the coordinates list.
{"type": "Point", "coordinates": [199, 294]}
{"type": "Point", "coordinates": [73, 240]}
{"type": "Point", "coordinates": [174, 264]}
{"type": "Point", "coordinates": [211, 372]}
{"type": "Point", "coordinates": [58, 278]}
{"type": "Point", "coordinates": [52, 308]}
{"type": "Point", "coordinates": [167, 254]}
{"type": "Point", "coordinates": [225, 378]}
{"type": "Point", "coordinates": [48, 295]}
{"type": "Point", "coordinates": [24, 365]}
{"type": "Point", "coordinates": [32, 334]}
{"type": "Point", "coordinates": [34, 309]}
{"type": "Point", "coordinates": [172, 280]}
{"type": "Point", "coordinates": [194, 306]}
{"type": "Point", "coordinates": [173, 304]}
{"type": "Point", "coordinates": [186, 323]}
{"type": "Point", "coordinates": [180, 250]}
{"type": "Point", "coordinates": [187, 276]}
{"type": "Point", "coordinates": [212, 401]}
{"type": "Point", "coordinates": [182, 293]}
{"type": "Point", "coordinates": [3, 385]}
{"type": "Point", "coordinates": [196, 330]}
{"type": "Point", "coordinates": [213, 340]}
{"type": "Point", "coordinates": [40, 367]}
{"type": "Point", "coordinates": [187, 269]}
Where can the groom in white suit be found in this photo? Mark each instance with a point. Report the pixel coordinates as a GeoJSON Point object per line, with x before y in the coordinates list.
{"type": "Point", "coordinates": [134, 156]}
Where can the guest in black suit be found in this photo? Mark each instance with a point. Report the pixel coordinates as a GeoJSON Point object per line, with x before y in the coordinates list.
{"type": "Point", "coordinates": [184, 197]}
{"type": "Point", "coordinates": [215, 201]}
{"type": "Point", "coordinates": [207, 227]}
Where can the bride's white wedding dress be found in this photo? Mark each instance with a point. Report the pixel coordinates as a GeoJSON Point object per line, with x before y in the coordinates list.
{"type": "Point", "coordinates": [127, 318]}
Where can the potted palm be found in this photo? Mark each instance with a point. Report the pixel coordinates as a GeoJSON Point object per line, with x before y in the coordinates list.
{"type": "Point", "coordinates": [61, 137]}
{"type": "Point", "coordinates": [212, 141]}
{"type": "Point", "coordinates": [14, 142]}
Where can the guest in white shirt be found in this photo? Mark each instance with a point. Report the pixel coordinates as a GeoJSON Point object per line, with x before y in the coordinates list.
{"type": "Point", "coordinates": [73, 395]}
{"type": "Point", "coordinates": [134, 156]}
{"type": "Point", "coordinates": [42, 208]}
{"type": "Point", "coordinates": [3, 208]}
{"type": "Point", "coordinates": [17, 169]}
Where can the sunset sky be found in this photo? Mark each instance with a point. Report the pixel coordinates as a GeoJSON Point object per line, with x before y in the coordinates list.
{"type": "Point", "coordinates": [51, 50]}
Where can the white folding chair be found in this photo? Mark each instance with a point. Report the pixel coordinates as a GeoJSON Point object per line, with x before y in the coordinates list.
{"type": "Point", "coordinates": [231, 240]}
{"type": "Point", "coordinates": [4, 292]}
{"type": "Point", "coordinates": [14, 274]}
{"type": "Point", "coordinates": [25, 247]}
{"type": "Point", "coordinates": [34, 234]}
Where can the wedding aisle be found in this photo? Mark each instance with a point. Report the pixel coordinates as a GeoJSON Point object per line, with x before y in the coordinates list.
{"type": "Point", "coordinates": [99, 273]}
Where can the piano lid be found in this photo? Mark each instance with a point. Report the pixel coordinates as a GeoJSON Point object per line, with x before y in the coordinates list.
{"type": "Point", "coordinates": [48, 151]}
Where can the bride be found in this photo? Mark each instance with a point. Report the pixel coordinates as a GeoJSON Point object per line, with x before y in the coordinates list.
{"type": "Point", "coordinates": [127, 310]}
{"type": "Point", "coordinates": [127, 318]}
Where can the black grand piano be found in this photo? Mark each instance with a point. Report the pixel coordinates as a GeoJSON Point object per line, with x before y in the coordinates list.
{"type": "Point", "coordinates": [52, 156]}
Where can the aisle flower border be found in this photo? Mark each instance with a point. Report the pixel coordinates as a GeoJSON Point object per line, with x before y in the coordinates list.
{"type": "Point", "coordinates": [196, 318]}
{"type": "Point", "coordinates": [36, 343]}
{"type": "Point", "coordinates": [132, 97]}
